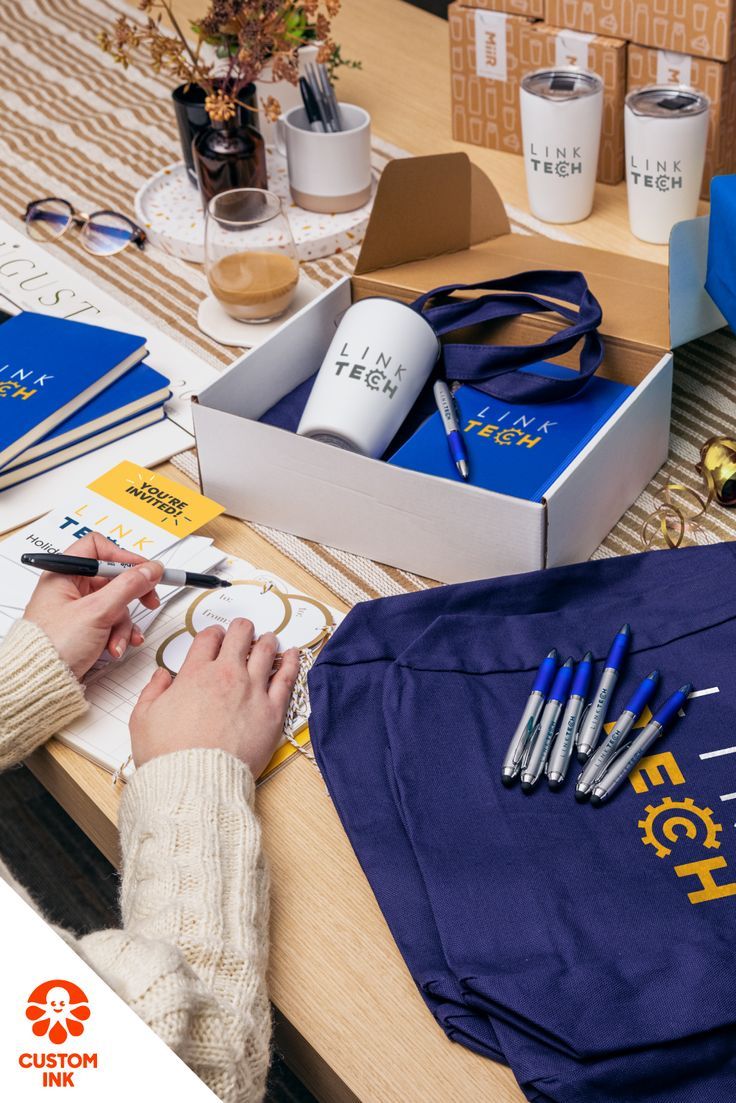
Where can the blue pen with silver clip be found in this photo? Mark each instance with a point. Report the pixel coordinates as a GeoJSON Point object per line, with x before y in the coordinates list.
{"type": "Point", "coordinates": [595, 716]}
{"type": "Point", "coordinates": [596, 764]}
{"type": "Point", "coordinates": [448, 417]}
{"type": "Point", "coordinates": [564, 745]}
{"type": "Point", "coordinates": [536, 756]}
{"type": "Point", "coordinates": [530, 716]}
{"type": "Point", "coordinates": [624, 762]}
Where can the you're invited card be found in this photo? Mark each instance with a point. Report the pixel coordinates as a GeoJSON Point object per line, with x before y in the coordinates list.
{"type": "Point", "coordinates": [140, 510]}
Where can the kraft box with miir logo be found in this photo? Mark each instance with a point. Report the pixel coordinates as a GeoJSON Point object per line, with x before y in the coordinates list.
{"type": "Point", "coordinates": [491, 51]}
{"type": "Point", "coordinates": [703, 27]}
{"type": "Point", "coordinates": [533, 8]}
{"type": "Point", "coordinates": [716, 78]}
{"type": "Point", "coordinates": [439, 220]}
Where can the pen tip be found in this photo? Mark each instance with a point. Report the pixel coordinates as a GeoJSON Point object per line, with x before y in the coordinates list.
{"type": "Point", "coordinates": [553, 654]}
{"type": "Point", "coordinates": [555, 784]}
{"type": "Point", "coordinates": [463, 469]}
{"type": "Point", "coordinates": [687, 689]}
{"type": "Point", "coordinates": [526, 786]}
{"type": "Point", "coordinates": [596, 801]}
{"type": "Point", "coordinates": [569, 662]}
{"type": "Point", "coordinates": [588, 657]}
{"type": "Point", "coordinates": [654, 676]}
{"type": "Point", "coordinates": [224, 583]}
{"type": "Point", "coordinates": [581, 796]}
{"type": "Point", "coordinates": [625, 630]}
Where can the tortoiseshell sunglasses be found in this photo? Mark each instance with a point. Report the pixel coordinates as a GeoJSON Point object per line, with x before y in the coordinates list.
{"type": "Point", "coordinates": [103, 233]}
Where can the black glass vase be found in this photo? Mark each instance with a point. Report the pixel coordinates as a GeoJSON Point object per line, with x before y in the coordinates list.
{"type": "Point", "coordinates": [191, 117]}
{"type": "Point", "coordinates": [229, 156]}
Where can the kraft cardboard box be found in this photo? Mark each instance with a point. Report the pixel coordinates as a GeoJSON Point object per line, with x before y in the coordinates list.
{"type": "Point", "coordinates": [534, 8]}
{"type": "Point", "coordinates": [703, 27]}
{"type": "Point", "coordinates": [489, 55]}
{"type": "Point", "coordinates": [716, 78]}
{"type": "Point", "coordinates": [433, 526]}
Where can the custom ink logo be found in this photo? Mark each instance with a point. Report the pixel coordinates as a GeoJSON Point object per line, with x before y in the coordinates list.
{"type": "Point", "coordinates": [375, 370]}
{"type": "Point", "coordinates": [58, 1009]}
{"type": "Point", "coordinates": [560, 161]}
{"type": "Point", "coordinates": [658, 176]}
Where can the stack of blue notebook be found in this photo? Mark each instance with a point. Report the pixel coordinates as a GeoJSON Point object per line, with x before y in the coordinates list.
{"type": "Point", "coordinates": [67, 388]}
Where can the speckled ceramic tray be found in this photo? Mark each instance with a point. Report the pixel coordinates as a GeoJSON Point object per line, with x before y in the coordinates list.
{"type": "Point", "coordinates": [169, 209]}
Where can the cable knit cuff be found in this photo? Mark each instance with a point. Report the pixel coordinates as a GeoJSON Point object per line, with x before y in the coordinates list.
{"type": "Point", "coordinates": [182, 782]}
{"type": "Point", "coordinates": [39, 695]}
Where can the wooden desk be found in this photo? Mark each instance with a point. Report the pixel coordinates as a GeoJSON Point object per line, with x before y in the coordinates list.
{"type": "Point", "coordinates": [351, 1022]}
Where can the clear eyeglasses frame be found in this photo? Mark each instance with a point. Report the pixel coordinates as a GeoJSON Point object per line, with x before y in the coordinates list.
{"type": "Point", "coordinates": [103, 233]}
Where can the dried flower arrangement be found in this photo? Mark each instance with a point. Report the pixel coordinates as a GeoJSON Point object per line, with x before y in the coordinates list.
{"type": "Point", "coordinates": [246, 36]}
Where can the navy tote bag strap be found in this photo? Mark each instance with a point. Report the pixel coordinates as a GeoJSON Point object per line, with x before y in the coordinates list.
{"type": "Point", "coordinates": [494, 368]}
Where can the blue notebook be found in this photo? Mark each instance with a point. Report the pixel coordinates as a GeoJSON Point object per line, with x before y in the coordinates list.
{"type": "Point", "coordinates": [137, 390]}
{"type": "Point", "coordinates": [516, 449]}
{"type": "Point", "coordinates": [17, 472]}
{"type": "Point", "coordinates": [49, 368]}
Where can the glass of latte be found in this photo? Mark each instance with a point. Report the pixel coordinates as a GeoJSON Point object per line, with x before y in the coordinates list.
{"type": "Point", "coordinates": [250, 256]}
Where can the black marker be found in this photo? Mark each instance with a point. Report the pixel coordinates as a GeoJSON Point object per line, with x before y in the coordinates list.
{"type": "Point", "coordinates": [97, 568]}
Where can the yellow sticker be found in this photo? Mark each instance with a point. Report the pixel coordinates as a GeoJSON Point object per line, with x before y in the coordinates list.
{"type": "Point", "coordinates": [156, 498]}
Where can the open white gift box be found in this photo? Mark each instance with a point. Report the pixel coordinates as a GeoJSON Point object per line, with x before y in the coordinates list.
{"type": "Point", "coordinates": [439, 220]}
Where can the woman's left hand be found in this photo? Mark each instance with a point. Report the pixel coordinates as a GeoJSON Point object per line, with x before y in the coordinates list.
{"type": "Point", "coordinates": [84, 616]}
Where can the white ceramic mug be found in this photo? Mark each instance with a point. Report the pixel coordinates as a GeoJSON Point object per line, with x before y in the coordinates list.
{"type": "Point", "coordinates": [378, 361]}
{"type": "Point", "coordinates": [561, 115]}
{"type": "Point", "coordinates": [666, 130]}
{"type": "Point", "coordinates": [328, 173]}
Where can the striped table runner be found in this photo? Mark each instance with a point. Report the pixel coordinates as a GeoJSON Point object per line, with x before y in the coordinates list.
{"type": "Point", "coordinates": [77, 126]}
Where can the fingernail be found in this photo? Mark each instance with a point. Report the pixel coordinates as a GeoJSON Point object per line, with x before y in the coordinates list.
{"type": "Point", "coordinates": [138, 638]}
{"type": "Point", "coordinates": [152, 571]}
{"type": "Point", "coordinates": [119, 649]}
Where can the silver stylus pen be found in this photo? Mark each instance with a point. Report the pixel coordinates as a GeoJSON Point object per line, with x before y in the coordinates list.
{"type": "Point", "coordinates": [529, 717]}
{"type": "Point", "coordinates": [564, 745]}
{"type": "Point", "coordinates": [596, 715]}
{"type": "Point", "coordinates": [600, 758]}
{"type": "Point", "coordinates": [536, 758]}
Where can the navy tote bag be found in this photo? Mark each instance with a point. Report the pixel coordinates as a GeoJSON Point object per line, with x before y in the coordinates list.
{"type": "Point", "coordinates": [591, 949]}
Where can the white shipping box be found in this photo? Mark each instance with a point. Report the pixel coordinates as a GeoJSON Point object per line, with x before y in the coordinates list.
{"type": "Point", "coordinates": [429, 525]}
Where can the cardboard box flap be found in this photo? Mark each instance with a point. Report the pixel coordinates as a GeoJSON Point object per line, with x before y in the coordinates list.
{"type": "Point", "coordinates": [488, 218]}
{"type": "Point", "coordinates": [429, 206]}
{"type": "Point", "coordinates": [632, 293]}
{"type": "Point", "coordinates": [439, 220]}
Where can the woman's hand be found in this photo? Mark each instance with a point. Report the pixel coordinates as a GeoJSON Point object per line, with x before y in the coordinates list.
{"type": "Point", "coordinates": [224, 697]}
{"type": "Point", "coordinates": [84, 616]}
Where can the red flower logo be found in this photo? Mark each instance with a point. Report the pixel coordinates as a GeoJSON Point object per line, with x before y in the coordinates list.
{"type": "Point", "coordinates": [58, 1008]}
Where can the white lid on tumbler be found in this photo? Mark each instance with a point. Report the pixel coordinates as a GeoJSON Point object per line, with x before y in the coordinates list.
{"type": "Point", "coordinates": [667, 101]}
{"type": "Point", "coordinates": [567, 82]}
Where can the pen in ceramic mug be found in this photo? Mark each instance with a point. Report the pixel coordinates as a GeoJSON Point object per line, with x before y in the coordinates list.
{"type": "Point", "coordinates": [98, 568]}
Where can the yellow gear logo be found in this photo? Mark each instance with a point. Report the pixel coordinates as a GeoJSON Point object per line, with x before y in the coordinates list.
{"type": "Point", "coordinates": [679, 814]}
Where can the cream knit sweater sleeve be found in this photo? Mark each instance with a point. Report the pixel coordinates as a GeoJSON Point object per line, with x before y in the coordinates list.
{"type": "Point", "coordinates": [191, 956]}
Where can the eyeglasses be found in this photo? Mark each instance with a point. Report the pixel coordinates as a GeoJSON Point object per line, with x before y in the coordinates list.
{"type": "Point", "coordinates": [103, 233]}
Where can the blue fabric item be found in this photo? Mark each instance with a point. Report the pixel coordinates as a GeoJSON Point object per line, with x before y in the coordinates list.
{"type": "Point", "coordinates": [568, 939]}
{"type": "Point", "coordinates": [720, 281]}
{"type": "Point", "coordinates": [491, 368]}
{"type": "Point", "coordinates": [494, 368]}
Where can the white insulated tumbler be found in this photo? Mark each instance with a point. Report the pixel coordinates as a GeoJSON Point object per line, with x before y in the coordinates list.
{"type": "Point", "coordinates": [378, 361]}
{"type": "Point", "coordinates": [666, 130]}
{"type": "Point", "coordinates": [561, 116]}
